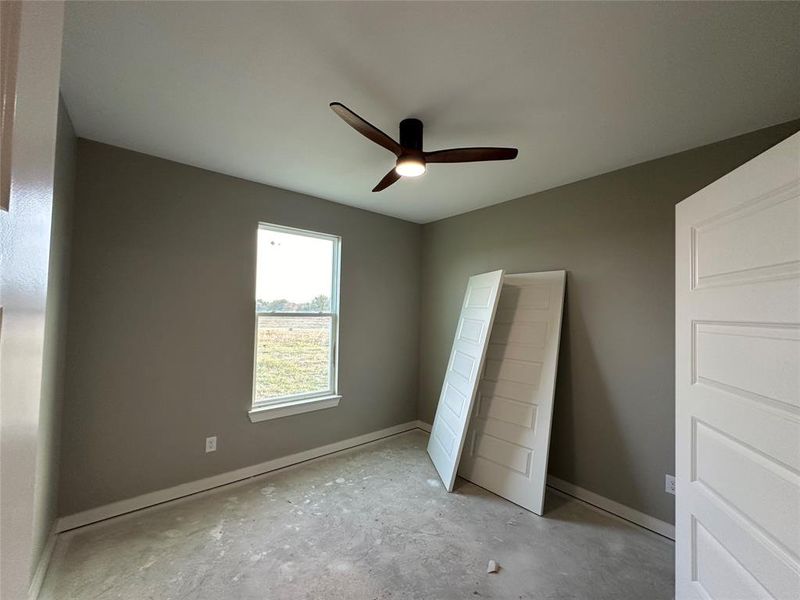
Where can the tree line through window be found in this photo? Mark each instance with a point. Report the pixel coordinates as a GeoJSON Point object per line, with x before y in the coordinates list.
{"type": "Point", "coordinates": [319, 303]}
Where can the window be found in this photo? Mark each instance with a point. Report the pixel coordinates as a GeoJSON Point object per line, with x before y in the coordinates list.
{"type": "Point", "coordinates": [297, 297]}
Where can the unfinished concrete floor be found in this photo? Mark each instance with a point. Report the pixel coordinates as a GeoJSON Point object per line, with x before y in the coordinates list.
{"type": "Point", "coordinates": [371, 523]}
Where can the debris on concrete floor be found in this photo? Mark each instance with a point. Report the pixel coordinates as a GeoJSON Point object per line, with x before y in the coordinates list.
{"type": "Point", "coordinates": [398, 538]}
{"type": "Point", "coordinates": [493, 567]}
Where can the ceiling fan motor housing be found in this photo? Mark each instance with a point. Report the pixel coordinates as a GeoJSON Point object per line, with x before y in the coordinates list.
{"type": "Point", "coordinates": [411, 138]}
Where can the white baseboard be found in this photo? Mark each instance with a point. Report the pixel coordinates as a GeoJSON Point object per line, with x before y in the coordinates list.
{"type": "Point", "coordinates": [615, 508]}
{"type": "Point", "coordinates": [122, 507]}
{"type": "Point", "coordinates": [244, 474]}
{"type": "Point", "coordinates": [41, 566]}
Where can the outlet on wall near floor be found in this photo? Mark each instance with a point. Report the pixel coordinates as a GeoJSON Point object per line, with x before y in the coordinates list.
{"type": "Point", "coordinates": [211, 444]}
{"type": "Point", "coordinates": [669, 485]}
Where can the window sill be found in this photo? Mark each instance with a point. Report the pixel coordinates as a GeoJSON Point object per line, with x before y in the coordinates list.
{"type": "Point", "coordinates": [295, 407]}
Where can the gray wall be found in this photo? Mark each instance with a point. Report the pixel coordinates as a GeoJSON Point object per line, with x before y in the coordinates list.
{"type": "Point", "coordinates": [55, 330]}
{"type": "Point", "coordinates": [613, 430]}
{"type": "Point", "coordinates": [161, 325]}
{"type": "Point", "coordinates": [161, 319]}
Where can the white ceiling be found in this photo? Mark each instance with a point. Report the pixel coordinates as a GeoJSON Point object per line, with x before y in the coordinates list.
{"type": "Point", "coordinates": [580, 89]}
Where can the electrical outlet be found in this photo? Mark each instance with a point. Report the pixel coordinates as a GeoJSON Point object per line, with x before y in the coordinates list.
{"type": "Point", "coordinates": [211, 444]}
{"type": "Point", "coordinates": [669, 484]}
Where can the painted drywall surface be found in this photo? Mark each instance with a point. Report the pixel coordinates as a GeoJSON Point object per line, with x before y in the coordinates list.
{"type": "Point", "coordinates": [25, 239]}
{"type": "Point", "coordinates": [47, 456]}
{"type": "Point", "coordinates": [613, 429]}
{"type": "Point", "coordinates": [161, 326]}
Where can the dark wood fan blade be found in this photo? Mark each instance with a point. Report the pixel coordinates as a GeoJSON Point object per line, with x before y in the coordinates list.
{"type": "Point", "coordinates": [387, 180]}
{"type": "Point", "coordinates": [365, 128]}
{"type": "Point", "coordinates": [456, 155]}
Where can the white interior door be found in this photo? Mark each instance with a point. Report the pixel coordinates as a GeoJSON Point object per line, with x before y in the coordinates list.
{"type": "Point", "coordinates": [509, 434]}
{"type": "Point", "coordinates": [461, 378]}
{"type": "Point", "coordinates": [738, 383]}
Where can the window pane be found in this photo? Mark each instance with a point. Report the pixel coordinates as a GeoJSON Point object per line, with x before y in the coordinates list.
{"type": "Point", "coordinates": [294, 272]}
{"type": "Point", "coordinates": [292, 356]}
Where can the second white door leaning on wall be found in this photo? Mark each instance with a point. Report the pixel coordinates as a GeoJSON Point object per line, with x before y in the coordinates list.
{"type": "Point", "coordinates": [509, 435]}
{"type": "Point", "coordinates": [463, 370]}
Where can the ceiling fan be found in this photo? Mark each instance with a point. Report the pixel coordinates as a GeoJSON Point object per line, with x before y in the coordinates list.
{"type": "Point", "coordinates": [411, 159]}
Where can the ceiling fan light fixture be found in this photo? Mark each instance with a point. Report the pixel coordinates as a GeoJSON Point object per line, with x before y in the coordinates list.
{"type": "Point", "coordinates": [410, 167]}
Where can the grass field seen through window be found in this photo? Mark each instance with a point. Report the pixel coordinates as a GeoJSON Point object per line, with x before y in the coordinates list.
{"type": "Point", "coordinates": [292, 356]}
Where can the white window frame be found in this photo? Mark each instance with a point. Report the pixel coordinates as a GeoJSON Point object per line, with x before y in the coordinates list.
{"type": "Point", "coordinates": [299, 403]}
